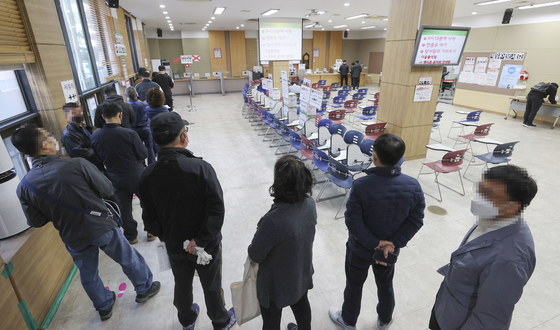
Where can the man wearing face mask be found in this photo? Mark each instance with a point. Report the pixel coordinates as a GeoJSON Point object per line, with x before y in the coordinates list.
{"type": "Point", "coordinates": [487, 273]}
{"type": "Point", "coordinates": [76, 137]}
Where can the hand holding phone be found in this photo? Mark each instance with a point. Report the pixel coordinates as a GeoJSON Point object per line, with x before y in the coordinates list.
{"type": "Point", "coordinates": [378, 255]}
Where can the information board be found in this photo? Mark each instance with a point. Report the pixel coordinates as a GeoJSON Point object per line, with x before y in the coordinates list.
{"type": "Point", "coordinates": [280, 39]}
{"type": "Point", "coordinates": [439, 45]}
{"type": "Point", "coordinates": [316, 98]}
{"type": "Point", "coordinates": [305, 94]}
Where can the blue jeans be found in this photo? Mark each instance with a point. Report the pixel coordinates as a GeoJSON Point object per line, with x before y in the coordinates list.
{"type": "Point", "coordinates": [146, 137]}
{"type": "Point", "coordinates": [115, 245]}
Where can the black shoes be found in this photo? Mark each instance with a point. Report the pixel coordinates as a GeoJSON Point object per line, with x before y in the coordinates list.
{"type": "Point", "coordinates": [292, 326]}
{"type": "Point", "coordinates": [530, 125]}
{"type": "Point", "coordinates": [152, 291]}
{"type": "Point", "coordinates": [106, 314]}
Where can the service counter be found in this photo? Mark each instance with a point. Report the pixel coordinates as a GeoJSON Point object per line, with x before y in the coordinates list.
{"type": "Point", "coordinates": [209, 85]}
{"type": "Point", "coordinates": [334, 77]}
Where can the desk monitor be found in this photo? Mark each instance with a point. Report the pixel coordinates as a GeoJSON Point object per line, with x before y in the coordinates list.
{"type": "Point", "coordinates": [439, 45]}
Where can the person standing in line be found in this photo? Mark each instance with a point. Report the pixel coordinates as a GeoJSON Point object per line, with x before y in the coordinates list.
{"type": "Point", "coordinates": [183, 205]}
{"type": "Point", "coordinates": [283, 246]}
{"type": "Point", "coordinates": [384, 211]}
{"type": "Point", "coordinates": [356, 72]}
{"type": "Point", "coordinates": [142, 124]}
{"type": "Point", "coordinates": [343, 70]}
{"type": "Point", "coordinates": [143, 87]}
{"type": "Point", "coordinates": [156, 101]}
{"type": "Point", "coordinates": [76, 137]}
{"type": "Point", "coordinates": [486, 275]}
{"type": "Point", "coordinates": [78, 182]}
{"type": "Point", "coordinates": [111, 96]}
{"type": "Point", "coordinates": [123, 154]}
{"type": "Point", "coordinates": [535, 101]}
{"type": "Point", "coordinates": [166, 83]}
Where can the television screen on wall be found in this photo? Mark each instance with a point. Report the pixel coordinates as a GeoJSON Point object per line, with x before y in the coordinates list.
{"type": "Point", "coordinates": [439, 45]}
{"type": "Point", "coordinates": [280, 39]}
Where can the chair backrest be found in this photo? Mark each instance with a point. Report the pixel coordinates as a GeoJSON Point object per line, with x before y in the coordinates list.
{"type": "Point", "coordinates": [338, 99]}
{"type": "Point", "coordinates": [295, 79]}
{"type": "Point", "coordinates": [355, 156]}
{"type": "Point", "coordinates": [324, 106]}
{"type": "Point", "coordinates": [367, 146]}
{"type": "Point", "coordinates": [343, 92]}
{"type": "Point", "coordinates": [326, 95]}
{"type": "Point", "coordinates": [482, 130]}
{"type": "Point", "coordinates": [318, 118]}
{"type": "Point", "coordinates": [376, 95]}
{"type": "Point", "coordinates": [323, 135]}
{"type": "Point", "coordinates": [376, 128]}
{"type": "Point", "coordinates": [358, 96]}
{"type": "Point", "coordinates": [327, 89]}
{"type": "Point", "coordinates": [368, 111]}
{"type": "Point", "coordinates": [285, 129]}
{"type": "Point", "coordinates": [294, 138]}
{"type": "Point", "coordinates": [337, 170]}
{"type": "Point", "coordinates": [353, 137]}
{"type": "Point", "coordinates": [319, 157]}
{"type": "Point", "coordinates": [338, 129]}
{"type": "Point", "coordinates": [437, 116]}
{"type": "Point", "coordinates": [337, 144]}
{"type": "Point", "coordinates": [315, 85]}
{"type": "Point", "coordinates": [335, 85]}
{"type": "Point", "coordinates": [322, 82]}
{"type": "Point", "coordinates": [347, 87]}
{"type": "Point", "coordinates": [453, 158]}
{"type": "Point", "coordinates": [350, 104]}
{"type": "Point", "coordinates": [325, 123]}
{"type": "Point", "coordinates": [278, 128]}
{"type": "Point", "coordinates": [363, 90]}
{"type": "Point", "coordinates": [504, 150]}
{"type": "Point", "coordinates": [473, 116]}
{"type": "Point", "coordinates": [309, 127]}
{"type": "Point", "coordinates": [337, 115]}
{"type": "Point", "coordinates": [307, 148]}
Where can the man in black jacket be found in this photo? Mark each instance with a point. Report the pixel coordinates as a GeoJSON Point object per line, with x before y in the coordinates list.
{"type": "Point", "coordinates": [123, 154]}
{"type": "Point", "coordinates": [166, 83]}
{"type": "Point", "coordinates": [77, 182]}
{"type": "Point", "coordinates": [182, 201]}
{"type": "Point", "coordinates": [356, 72]}
{"type": "Point", "coordinates": [535, 100]}
{"type": "Point", "coordinates": [111, 96]}
{"type": "Point", "coordinates": [76, 138]}
{"type": "Point", "coordinates": [343, 69]}
{"type": "Point", "coordinates": [146, 84]}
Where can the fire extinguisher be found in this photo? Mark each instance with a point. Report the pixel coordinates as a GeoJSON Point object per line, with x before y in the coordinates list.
{"type": "Point", "coordinates": [524, 75]}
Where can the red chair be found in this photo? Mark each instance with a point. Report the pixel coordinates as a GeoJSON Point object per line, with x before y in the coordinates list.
{"type": "Point", "coordinates": [337, 116]}
{"type": "Point", "coordinates": [376, 95]}
{"type": "Point", "coordinates": [316, 86]}
{"type": "Point", "coordinates": [479, 132]}
{"type": "Point", "coordinates": [375, 101]}
{"type": "Point", "coordinates": [307, 147]}
{"type": "Point", "coordinates": [295, 79]}
{"type": "Point", "coordinates": [350, 106]}
{"type": "Point", "coordinates": [327, 89]}
{"type": "Point", "coordinates": [448, 164]}
{"type": "Point", "coordinates": [318, 118]}
{"type": "Point", "coordinates": [373, 131]}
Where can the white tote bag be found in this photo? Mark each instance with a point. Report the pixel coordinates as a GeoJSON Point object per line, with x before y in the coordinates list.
{"type": "Point", "coordinates": [244, 294]}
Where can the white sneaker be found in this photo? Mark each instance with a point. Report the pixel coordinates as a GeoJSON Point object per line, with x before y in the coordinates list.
{"type": "Point", "coordinates": [383, 326]}
{"type": "Point", "coordinates": [336, 317]}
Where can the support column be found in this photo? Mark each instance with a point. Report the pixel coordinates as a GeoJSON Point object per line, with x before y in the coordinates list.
{"type": "Point", "coordinates": [412, 121]}
{"type": "Point", "coordinates": [275, 67]}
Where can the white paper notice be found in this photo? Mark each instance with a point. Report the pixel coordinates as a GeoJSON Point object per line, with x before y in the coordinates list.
{"type": "Point", "coordinates": [492, 77]}
{"type": "Point", "coordinates": [69, 90]}
{"type": "Point", "coordinates": [494, 64]}
{"type": "Point", "coordinates": [470, 60]}
{"type": "Point", "coordinates": [423, 93]}
{"type": "Point", "coordinates": [480, 78]}
{"type": "Point", "coordinates": [481, 63]}
{"type": "Point", "coordinates": [316, 98]}
{"type": "Point", "coordinates": [307, 82]}
{"type": "Point", "coordinates": [305, 94]}
{"type": "Point", "coordinates": [468, 68]}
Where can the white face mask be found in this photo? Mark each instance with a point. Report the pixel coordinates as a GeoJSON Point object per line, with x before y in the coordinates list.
{"type": "Point", "coordinates": [483, 208]}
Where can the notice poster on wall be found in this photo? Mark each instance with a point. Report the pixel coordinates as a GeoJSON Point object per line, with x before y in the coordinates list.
{"type": "Point", "coordinates": [510, 76]}
{"type": "Point", "coordinates": [480, 78]}
{"type": "Point", "coordinates": [69, 91]}
{"type": "Point", "coordinates": [469, 64]}
{"type": "Point", "coordinates": [492, 77]}
{"type": "Point", "coordinates": [217, 53]}
{"type": "Point", "coordinates": [120, 48]}
{"type": "Point", "coordinates": [466, 77]}
{"type": "Point", "coordinates": [494, 63]}
{"type": "Point", "coordinates": [481, 63]}
{"type": "Point", "coordinates": [316, 52]}
{"type": "Point", "coordinates": [423, 93]}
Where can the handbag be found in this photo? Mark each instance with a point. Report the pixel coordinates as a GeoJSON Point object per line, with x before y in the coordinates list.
{"type": "Point", "coordinates": [244, 294]}
{"type": "Point", "coordinates": [112, 210]}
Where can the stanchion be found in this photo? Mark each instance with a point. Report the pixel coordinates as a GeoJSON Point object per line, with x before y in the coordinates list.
{"type": "Point", "coordinates": [191, 107]}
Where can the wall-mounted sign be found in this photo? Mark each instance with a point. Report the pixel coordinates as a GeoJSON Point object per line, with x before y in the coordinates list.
{"type": "Point", "coordinates": [187, 65]}
{"type": "Point", "coordinates": [120, 48]}
{"type": "Point", "coordinates": [186, 59]}
{"type": "Point", "coordinates": [69, 91]}
{"type": "Point", "coordinates": [196, 58]}
{"type": "Point", "coordinates": [425, 80]}
{"type": "Point", "coordinates": [423, 93]}
{"type": "Point", "coordinates": [316, 52]}
{"type": "Point", "coordinates": [217, 53]}
{"type": "Point", "coordinates": [508, 56]}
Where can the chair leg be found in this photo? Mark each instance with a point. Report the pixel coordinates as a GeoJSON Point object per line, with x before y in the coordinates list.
{"type": "Point", "coordinates": [318, 199]}
{"type": "Point", "coordinates": [343, 203]}
{"type": "Point", "coordinates": [279, 145]}
{"type": "Point", "coordinates": [439, 131]}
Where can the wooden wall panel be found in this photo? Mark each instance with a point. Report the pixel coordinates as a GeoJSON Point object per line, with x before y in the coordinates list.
{"type": "Point", "coordinates": [307, 47]}
{"type": "Point", "coordinates": [335, 47]}
{"type": "Point", "coordinates": [217, 39]}
{"type": "Point", "coordinates": [123, 31]}
{"type": "Point", "coordinates": [375, 62]}
{"type": "Point", "coordinates": [319, 42]}
{"type": "Point", "coordinates": [238, 52]}
{"type": "Point", "coordinates": [251, 51]}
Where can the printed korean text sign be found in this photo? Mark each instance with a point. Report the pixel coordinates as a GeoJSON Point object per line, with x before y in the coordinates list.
{"type": "Point", "coordinates": [186, 59]}
{"type": "Point", "coordinates": [69, 90]}
{"type": "Point", "coordinates": [437, 46]}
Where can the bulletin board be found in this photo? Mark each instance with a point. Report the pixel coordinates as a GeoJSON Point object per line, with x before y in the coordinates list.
{"type": "Point", "coordinates": [486, 88]}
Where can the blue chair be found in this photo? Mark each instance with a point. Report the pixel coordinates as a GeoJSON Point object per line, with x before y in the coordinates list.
{"type": "Point", "coordinates": [338, 102]}
{"type": "Point", "coordinates": [338, 129]}
{"type": "Point", "coordinates": [368, 113]}
{"type": "Point", "coordinates": [285, 134]}
{"type": "Point", "coordinates": [326, 95]}
{"type": "Point", "coordinates": [320, 160]}
{"type": "Point", "coordinates": [343, 92]}
{"type": "Point", "coordinates": [335, 85]}
{"type": "Point", "coordinates": [295, 141]}
{"type": "Point", "coordinates": [498, 156]}
{"type": "Point", "coordinates": [323, 131]}
{"type": "Point", "coordinates": [337, 144]}
{"type": "Point", "coordinates": [472, 117]}
{"type": "Point", "coordinates": [277, 131]}
{"type": "Point", "coordinates": [323, 108]}
{"type": "Point", "coordinates": [436, 124]}
{"type": "Point", "coordinates": [363, 91]}
{"type": "Point", "coordinates": [366, 147]}
{"type": "Point", "coordinates": [358, 96]}
{"type": "Point", "coordinates": [269, 119]}
{"type": "Point", "coordinates": [355, 159]}
{"type": "Point", "coordinates": [340, 176]}
{"type": "Point", "coordinates": [322, 83]}
{"type": "Point", "coordinates": [347, 87]}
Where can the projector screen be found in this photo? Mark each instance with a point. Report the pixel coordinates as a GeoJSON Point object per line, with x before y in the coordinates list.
{"type": "Point", "coordinates": [280, 39]}
{"type": "Point", "coordinates": [439, 45]}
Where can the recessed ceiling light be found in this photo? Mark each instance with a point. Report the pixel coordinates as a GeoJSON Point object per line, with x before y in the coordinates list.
{"type": "Point", "coordinates": [168, 21]}
{"type": "Point", "coordinates": [385, 29]}
{"type": "Point", "coordinates": [491, 2]}
{"type": "Point", "coordinates": [546, 4]}
{"type": "Point", "coordinates": [368, 27]}
{"type": "Point", "coordinates": [237, 27]}
{"type": "Point", "coordinates": [339, 26]}
{"type": "Point", "coordinates": [323, 29]}
{"type": "Point", "coordinates": [474, 12]}
{"type": "Point", "coordinates": [310, 25]}
{"type": "Point", "coordinates": [347, 4]}
{"type": "Point", "coordinates": [212, 17]}
{"type": "Point", "coordinates": [166, 17]}
{"type": "Point", "coordinates": [207, 24]}
{"type": "Point", "coordinates": [161, 6]}
{"type": "Point", "coordinates": [270, 12]}
{"type": "Point", "coordinates": [357, 16]}
{"type": "Point", "coordinates": [219, 10]}
{"type": "Point", "coordinates": [347, 29]}
{"type": "Point", "coordinates": [242, 24]}
{"type": "Point", "coordinates": [385, 19]}
{"type": "Point", "coordinates": [363, 22]}
{"type": "Point", "coordinates": [209, 21]}
{"type": "Point", "coordinates": [330, 21]}
{"type": "Point", "coordinates": [165, 13]}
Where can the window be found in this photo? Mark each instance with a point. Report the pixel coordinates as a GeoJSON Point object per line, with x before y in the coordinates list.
{"type": "Point", "coordinates": [16, 98]}
{"type": "Point", "coordinates": [130, 28]}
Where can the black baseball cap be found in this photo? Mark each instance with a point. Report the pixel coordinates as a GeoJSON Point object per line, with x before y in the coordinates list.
{"type": "Point", "coordinates": [167, 124]}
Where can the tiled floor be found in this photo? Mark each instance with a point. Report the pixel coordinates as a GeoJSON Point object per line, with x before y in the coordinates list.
{"type": "Point", "coordinates": [244, 166]}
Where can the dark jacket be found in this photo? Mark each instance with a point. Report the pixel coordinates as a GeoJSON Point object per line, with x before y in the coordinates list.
{"type": "Point", "coordinates": [283, 248]}
{"type": "Point", "coordinates": [485, 279]}
{"type": "Point", "coordinates": [73, 181]}
{"type": "Point", "coordinates": [384, 205]}
{"type": "Point", "coordinates": [122, 152]}
{"type": "Point", "coordinates": [344, 69]}
{"type": "Point", "coordinates": [356, 71]}
{"type": "Point", "coordinates": [143, 88]}
{"type": "Point", "coordinates": [151, 112]}
{"type": "Point", "coordinates": [551, 92]}
{"type": "Point", "coordinates": [139, 109]}
{"type": "Point", "coordinates": [182, 200]}
{"type": "Point", "coordinates": [128, 116]}
{"type": "Point", "coordinates": [77, 142]}
{"type": "Point", "coordinates": [165, 82]}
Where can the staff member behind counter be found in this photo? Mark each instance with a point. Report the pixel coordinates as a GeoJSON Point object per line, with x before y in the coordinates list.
{"type": "Point", "coordinates": [535, 100]}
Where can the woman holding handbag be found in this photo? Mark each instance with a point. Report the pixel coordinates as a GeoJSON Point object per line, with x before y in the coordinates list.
{"type": "Point", "coordinates": [283, 246]}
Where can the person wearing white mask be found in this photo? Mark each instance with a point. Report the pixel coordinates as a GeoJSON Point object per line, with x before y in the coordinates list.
{"type": "Point", "coordinates": [486, 275]}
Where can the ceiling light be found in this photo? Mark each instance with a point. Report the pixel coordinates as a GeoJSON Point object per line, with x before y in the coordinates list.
{"type": "Point", "coordinates": [168, 21]}
{"type": "Point", "coordinates": [339, 26]}
{"type": "Point", "coordinates": [308, 15]}
{"type": "Point", "coordinates": [219, 10]}
{"type": "Point", "coordinates": [320, 12]}
{"type": "Point", "coordinates": [347, 29]}
{"type": "Point", "coordinates": [322, 29]}
{"type": "Point", "coordinates": [347, 4]}
{"type": "Point", "coordinates": [357, 16]}
{"type": "Point", "coordinates": [330, 21]}
{"type": "Point", "coordinates": [209, 22]}
{"type": "Point", "coordinates": [165, 13]}
{"type": "Point", "coordinates": [270, 12]}
{"type": "Point", "coordinates": [363, 22]}
{"type": "Point", "coordinates": [385, 29]}
{"type": "Point", "coordinates": [212, 17]}
{"type": "Point", "coordinates": [546, 4]}
{"type": "Point", "coordinates": [368, 27]}
{"type": "Point", "coordinates": [242, 24]}
{"type": "Point", "coordinates": [385, 19]}
{"type": "Point", "coordinates": [161, 6]}
{"type": "Point", "coordinates": [166, 17]}
{"type": "Point", "coordinates": [474, 12]}
{"type": "Point", "coordinates": [491, 2]}
{"type": "Point", "coordinates": [310, 25]}
{"type": "Point", "coordinates": [237, 27]}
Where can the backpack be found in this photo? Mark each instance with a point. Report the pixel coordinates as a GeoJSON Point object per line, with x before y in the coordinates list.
{"type": "Point", "coordinates": [541, 87]}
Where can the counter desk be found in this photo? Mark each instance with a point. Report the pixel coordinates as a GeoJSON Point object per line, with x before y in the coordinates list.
{"type": "Point", "coordinates": [519, 103]}
{"type": "Point", "coordinates": [210, 85]}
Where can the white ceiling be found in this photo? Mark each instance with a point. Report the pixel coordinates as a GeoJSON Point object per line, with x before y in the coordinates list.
{"type": "Point", "coordinates": [200, 12]}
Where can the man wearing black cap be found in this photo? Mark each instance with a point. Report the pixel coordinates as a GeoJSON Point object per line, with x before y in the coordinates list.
{"type": "Point", "coordinates": [183, 205]}
{"type": "Point", "coordinates": [146, 84]}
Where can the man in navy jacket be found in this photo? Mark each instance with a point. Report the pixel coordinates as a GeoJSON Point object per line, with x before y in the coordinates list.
{"type": "Point", "coordinates": [384, 211]}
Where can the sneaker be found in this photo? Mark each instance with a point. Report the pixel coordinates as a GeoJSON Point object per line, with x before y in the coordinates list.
{"type": "Point", "coordinates": [336, 317]}
{"type": "Point", "coordinates": [152, 291]}
{"type": "Point", "coordinates": [232, 319]}
{"type": "Point", "coordinates": [151, 237]}
{"type": "Point", "coordinates": [106, 314]}
{"type": "Point", "coordinates": [191, 327]}
{"type": "Point", "coordinates": [292, 326]}
{"type": "Point", "coordinates": [383, 326]}
{"type": "Point", "coordinates": [133, 241]}
{"type": "Point", "coordinates": [530, 125]}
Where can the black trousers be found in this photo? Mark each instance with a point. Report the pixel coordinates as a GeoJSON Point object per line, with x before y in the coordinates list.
{"type": "Point", "coordinates": [273, 315]}
{"type": "Point", "coordinates": [534, 103]}
{"type": "Point", "coordinates": [169, 101]}
{"type": "Point", "coordinates": [356, 274]}
{"type": "Point", "coordinates": [433, 322]}
{"type": "Point", "coordinates": [130, 225]}
{"type": "Point", "coordinates": [355, 82]}
{"type": "Point", "coordinates": [211, 279]}
{"type": "Point", "coordinates": [343, 80]}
